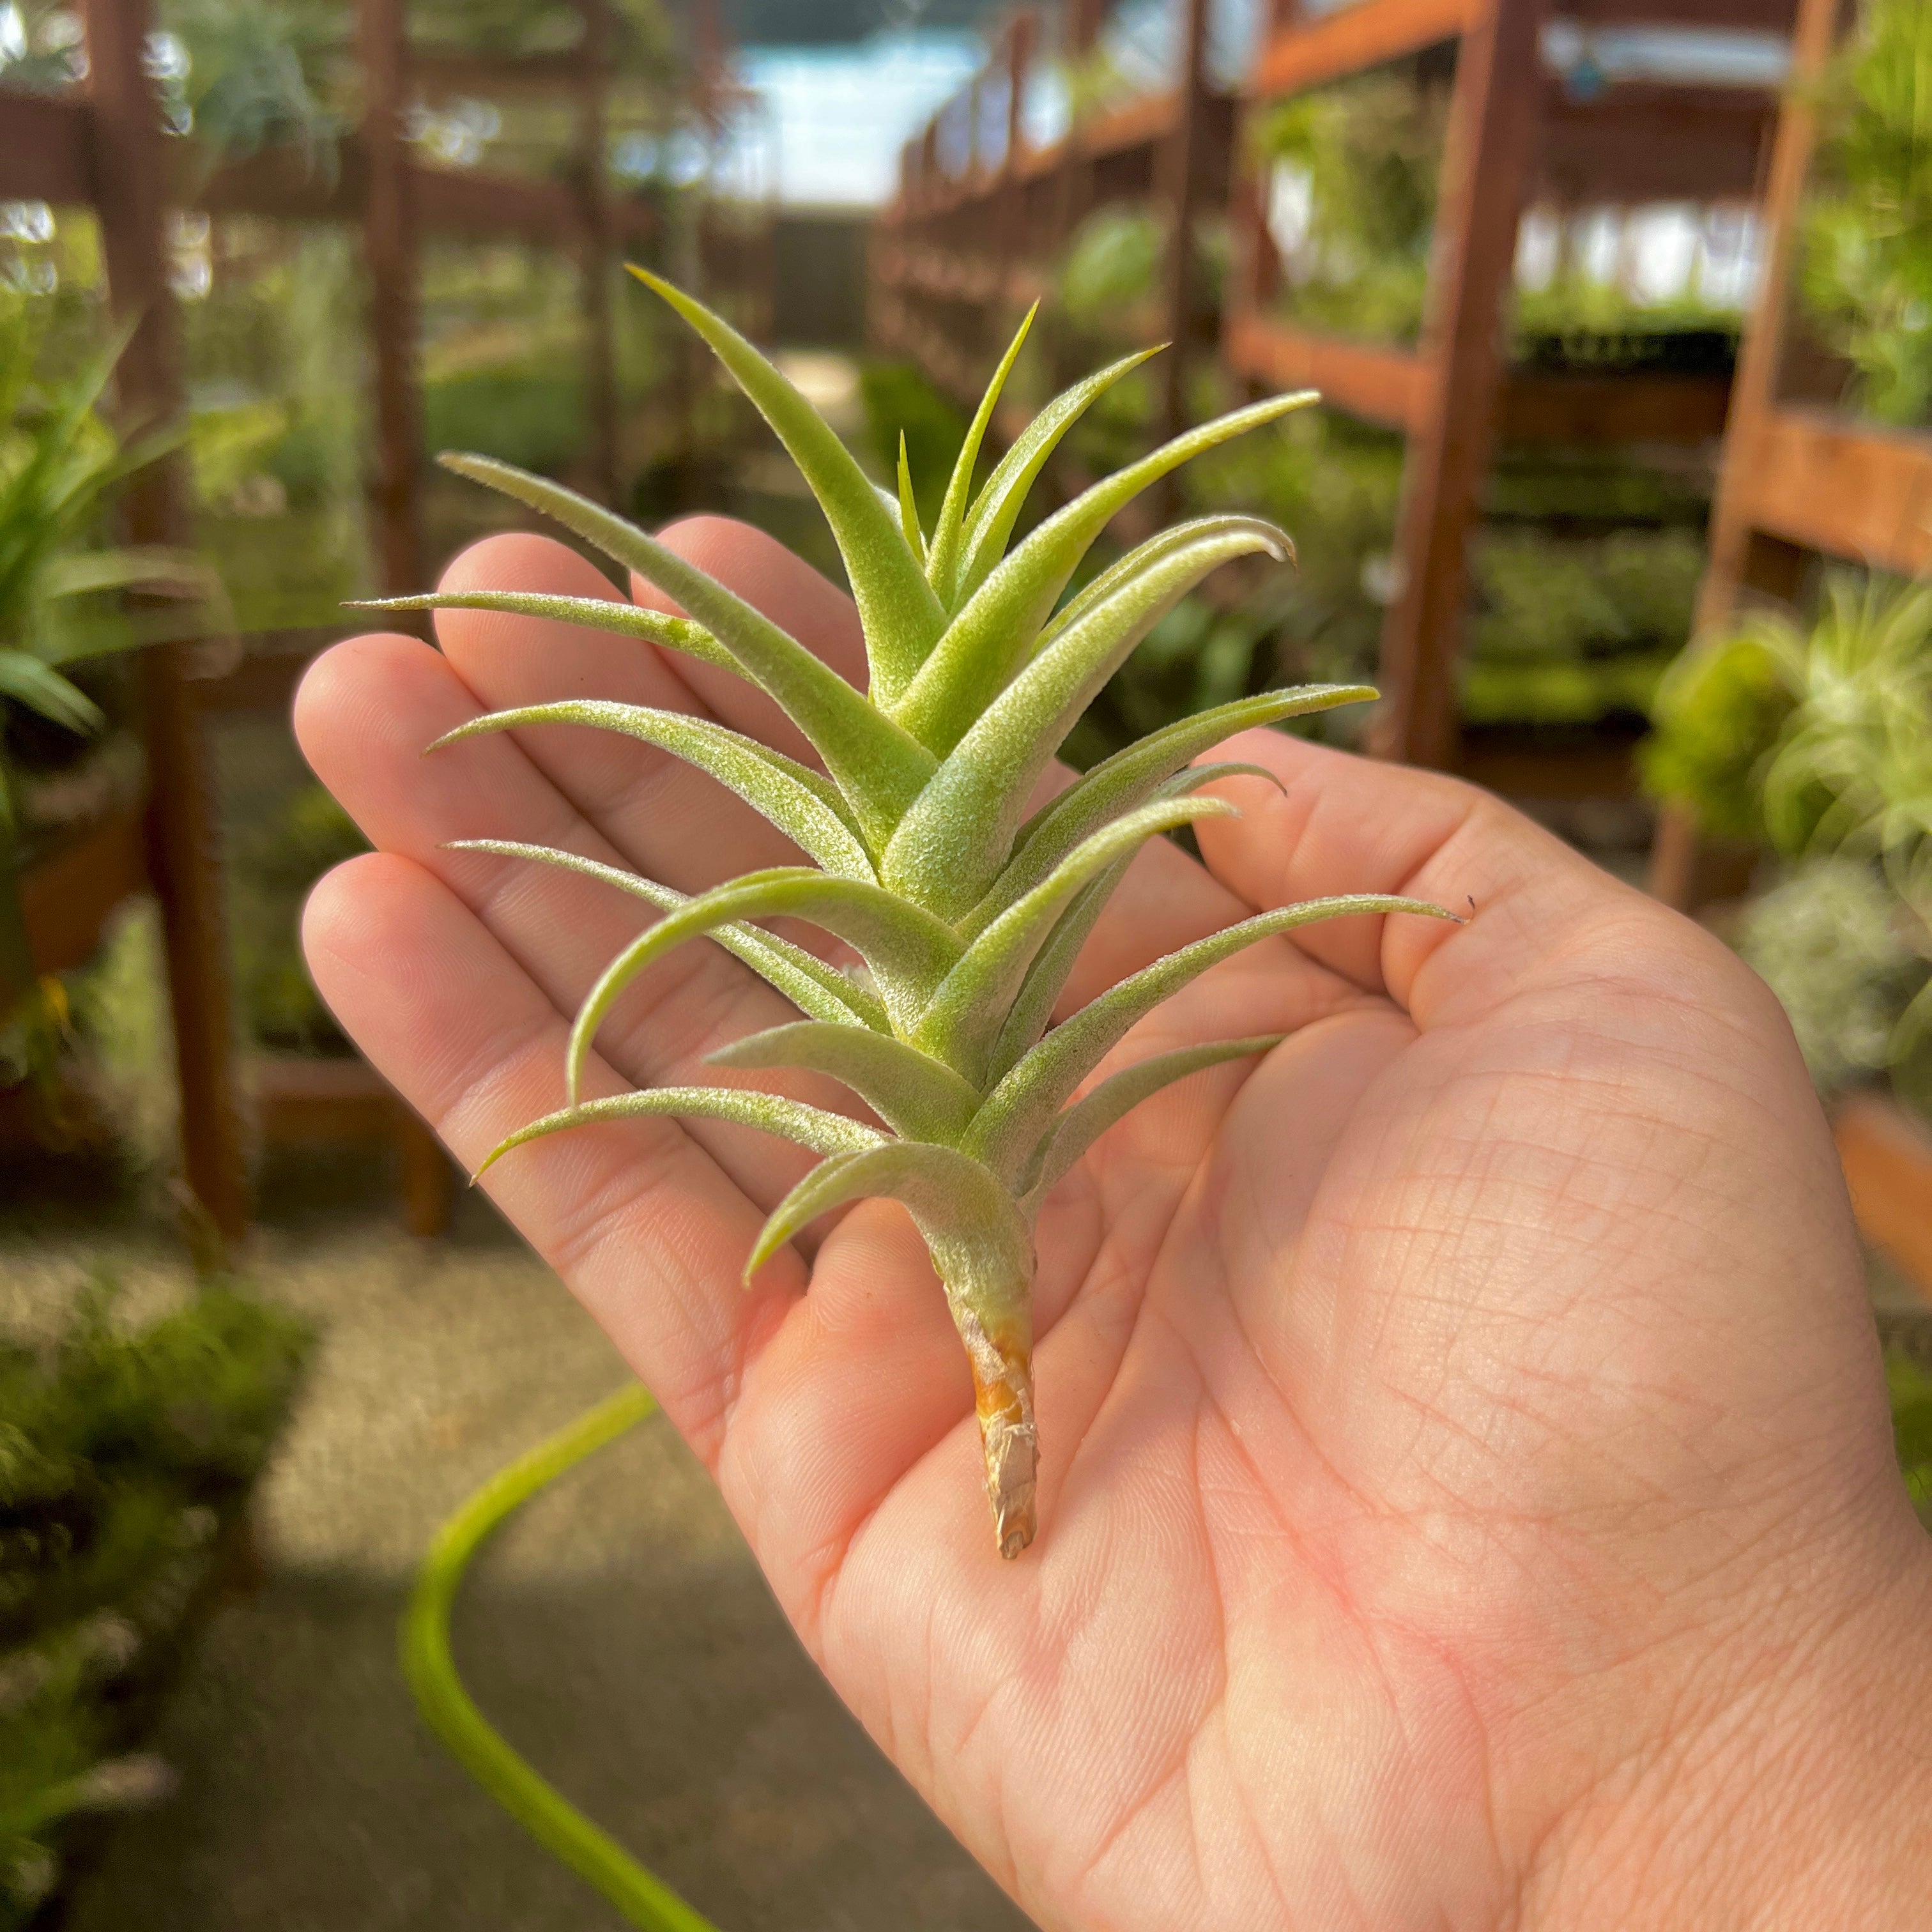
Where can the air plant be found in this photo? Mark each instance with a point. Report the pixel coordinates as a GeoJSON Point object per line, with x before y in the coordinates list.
{"type": "Point", "coordinates": [967, 907]}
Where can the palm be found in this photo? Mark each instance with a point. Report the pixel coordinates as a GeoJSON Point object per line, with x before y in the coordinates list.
{"type": "Point", "coordinates": [1342, 1495]}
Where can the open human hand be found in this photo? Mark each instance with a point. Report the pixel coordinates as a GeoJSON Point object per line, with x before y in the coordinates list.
{"type": "Point", "coordinates": [1466, 1496]}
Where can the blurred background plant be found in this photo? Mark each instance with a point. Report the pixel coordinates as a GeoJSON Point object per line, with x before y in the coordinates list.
{"type": "Point", "coordinates": [1816, 740]}
{"type": "Point", "coordinates": [1867, 278]}
{"type": "Point", "coordinates": [126, 1452]}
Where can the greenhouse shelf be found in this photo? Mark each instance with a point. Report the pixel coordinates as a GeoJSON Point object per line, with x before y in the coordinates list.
{"type": "Point", "coordinates": [102, 147]}
{"type": "Point", "coordinates": [1517, 132]}
{"type": "Point", "coordinates": [1794, 481]}
{"type": "Point", "coordinates": [979, 209]}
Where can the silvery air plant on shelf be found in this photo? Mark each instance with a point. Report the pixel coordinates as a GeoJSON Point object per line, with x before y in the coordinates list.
{"type": "Point", "coordinates": [967, 905]}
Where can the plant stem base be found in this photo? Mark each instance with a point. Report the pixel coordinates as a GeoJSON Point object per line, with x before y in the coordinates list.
{"type": "Point", "coordinates": [1009, 1437]}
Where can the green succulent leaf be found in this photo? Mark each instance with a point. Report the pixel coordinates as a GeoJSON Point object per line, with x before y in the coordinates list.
{"type": "Point", "coordinates": [901, 617]}
{"type": "Point", "coordinates": [909, 951]}
{"type": "Point", "coordinates": [1032, 1008]}
{"type": "Point", "coordinates": [1146, 555]}
{"type": "Point", "coordinates": [997, 507]}
{"type": "Point", "coordinates": [811, 1127]}
{"type": "Point", "coordinates": [1032, 862]}
{"type": "Point", "coordinates": [998, 623]}
{"type": "Point", "coordinates": [1016, 1116]}
{"type": "Point", "coordinates": [960, 1024]}
{"type": "Point", "coordinates": [979, 1242]}
{"type": "Point", "coordinates": [594, 613]}
{"type": "Point", "coordinates": [949, 534]}
{"type": "Point", "coordinates": [1031, 1011]}
{"type": "Point", "coordinates": [24, 678]}
{"type": "Point", "coordinates": [919, 1098]}
{"type": "Point", "coordinates": [957, 835]}
{"type": "Point", "coordinates": [797, 800]}
{"type": "Point", "coordinates": [817, 988]}
{"type": "Point", "coordinates": [909, 505]}
{"type": "Point", "coordinates": [1075, 1130]}
{"type": "Point", "coordinates": [875, 764]}
{"type": "Point", "coordinates": [1129, 775]}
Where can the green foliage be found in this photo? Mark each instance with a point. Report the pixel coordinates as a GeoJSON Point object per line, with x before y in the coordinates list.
{"type": "Point", "coordinates": [1910, 1385]}
{"type": "Point", "coordinates": [1818, 742]}
{"type": "Point", "coordinates": [1717, 711]}
{"type": "Point", "coordinates": [967, 914]}
{"type": "Point", "coordinates": [255, 76]}
{"type": "Point", "coordinates": [1867, 272]}
{"type": "Point", "coordinates": [1571, 630]}
{"type": "Point", "coordinates": [899, 402]}
{"type": "Point", "coordinates": [533, 415]}
{"type": "Point", "coordinates": [1370, 152]}
{"type": "Point", "coordinates": [59, 465]}
{"type": "Point", "coordinates": [1831, 942]}
{"type": "Point", "coordinates": [272, 868]}
{"type": "Point", "coordinates": [1830, 726]}
{"type": "Point", "coordinates": [118, 1449]}
{"type": "Point", "coordinates": [1111, 266]}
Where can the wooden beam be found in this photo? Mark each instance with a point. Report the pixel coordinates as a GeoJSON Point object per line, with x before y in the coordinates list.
{"type": "Point", "coordinates": [1379, 384]}
{"type": "Point", "coordinates": [390, 249]}
{"type": "Point", "coordinates": [1549, 765]}
{"type": "Point", "coordinates": [1764, 16]}
{"type": "Point", "coordinates": [183, 835]}
{"type": "Point", "coordinates": [1354, 39]}
{"type": "Point", "coordinates": [1887, 1156]}
{"type": "Point", "coordinates": [1185, 161]}
{"type": "Point", "coordinates": [1485, 168]}
{"type": "Point", "coordinates": [1675, 867]}
{"type": "Point", "coordinates": [1756, 381]}
{"type": "Point", "coordinates": [46, 149]}
{"type": "Point", "coordinates": [1637, 142]}
{"type": "Point", "coordinates": [598, 253]}
{"type": "Point", "coordinates": [280, 184]}
{"type": "Point", "coordinates": [68, 898]}
{"type": "Point", "coordinates": [1845, 489]}
{"type": "Point", "coordinates": [1602, 411]}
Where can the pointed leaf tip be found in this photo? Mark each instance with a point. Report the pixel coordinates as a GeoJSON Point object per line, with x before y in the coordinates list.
{"type": "Point", "coordinates": [901, 616]}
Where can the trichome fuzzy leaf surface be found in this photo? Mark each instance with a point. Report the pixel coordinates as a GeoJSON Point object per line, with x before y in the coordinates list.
{"type": "Point", "coordinates": [968, 915]}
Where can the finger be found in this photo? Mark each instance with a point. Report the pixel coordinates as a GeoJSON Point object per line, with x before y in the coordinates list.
{"type": "Point", "coordinates": [672, 822]}
{"type": "Point", "coordinates": [787, 590]}
{"type": "Point", "coordinates": [1339, 824]}
{"type": "Point", "coordinates": [641, 1222]}
{"type": "Point", "coordinates": [1167, 898]}
{"type": "Point", "coordinates": [363, 716]}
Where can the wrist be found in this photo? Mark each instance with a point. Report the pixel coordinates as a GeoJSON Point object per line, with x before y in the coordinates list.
{"type": "Point", "coordinates": [1786, 1788]}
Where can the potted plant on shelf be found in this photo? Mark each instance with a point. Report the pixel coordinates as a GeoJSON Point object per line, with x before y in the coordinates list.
{"type": "Point", "coordinates": [1816, 741]}
{"type": "Point", "coordinates": [60, 465]}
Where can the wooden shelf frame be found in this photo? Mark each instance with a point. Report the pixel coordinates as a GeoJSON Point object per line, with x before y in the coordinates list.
{"type": "Point", "coordinates": [954, 255]}
{"type": "Point", "coordinates": [1515, 137]}
{"type": "Point", "coordinates": [1795, 481]}
{"type": "Point", "coordinates": [102, 147]}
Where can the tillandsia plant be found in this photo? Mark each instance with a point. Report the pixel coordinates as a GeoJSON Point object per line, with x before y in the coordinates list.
{"type": "Point", "coordinates": [966, 905]}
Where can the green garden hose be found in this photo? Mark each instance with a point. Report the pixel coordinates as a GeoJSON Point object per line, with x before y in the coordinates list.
{"type": "Point", "coordinates": [644, 1899]}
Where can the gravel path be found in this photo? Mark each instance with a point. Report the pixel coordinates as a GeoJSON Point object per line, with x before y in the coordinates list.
{"type": "Point", "coordinates": [619, 1633]}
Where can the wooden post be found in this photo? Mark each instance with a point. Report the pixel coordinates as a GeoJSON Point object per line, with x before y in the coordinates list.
{"type": "Point", "coordinates": [1185, 168]}
{"type": "Point", "coordinates": [598, 257]}
{"type": "Point", "coordinates": [389, 244]}
{"type": "Point", "coordinates": [1729, 566]}
{"type": "Point", "coordinates": [1753, 389]}
{"type": "Point", "coordinates": [1486, 162]}
{"type": "Point", "coordinates": [389, 249]}
{"type": "Point", "coordinates": [1012, 240]}
{"type": "Point", "coordinates": [183, 837]}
